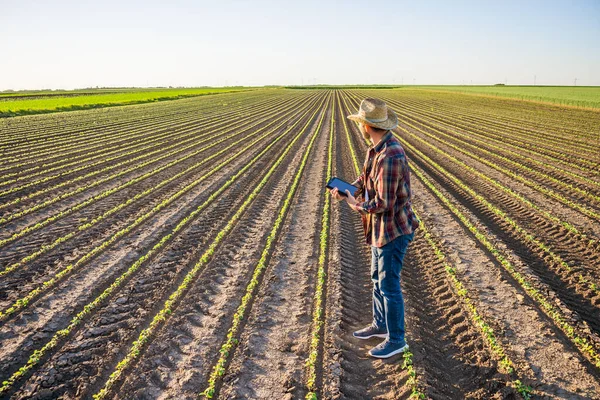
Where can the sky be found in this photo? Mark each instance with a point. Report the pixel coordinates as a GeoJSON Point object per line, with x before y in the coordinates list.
{"type": "Point", "coordinates": [77, 44]}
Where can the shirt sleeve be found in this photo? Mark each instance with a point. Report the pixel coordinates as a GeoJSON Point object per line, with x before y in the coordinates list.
{"type": "Point", "coordinates": [387, 179]}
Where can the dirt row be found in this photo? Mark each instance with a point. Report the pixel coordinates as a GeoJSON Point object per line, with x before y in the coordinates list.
{"type": "Point", "coordinates": [60, 127]}
{"type": "Point", "coordinates": [57, 258]}
{"type": "Point", "coordinates": [425, 203]}
{"type": "Point", "coordinates": [40, 324]}
{"type": "Point", "coordinates": [587, 224]}
{"type": "Point", "coordinates": [451, 357]}
{"type": "Point", "coordinates": [268, 363]}
{"type": "Point", "coordinates": [449, 353]}
{"type": "Point", "coordinates": [475, 134]}
{"type": "Point", "coordinates": [472, 122]}
{"type": "Point", "coordinates": [171, 133]}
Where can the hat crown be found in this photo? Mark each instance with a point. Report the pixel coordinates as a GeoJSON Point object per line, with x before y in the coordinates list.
{"type": "Point", "coordinates": [373, 109]}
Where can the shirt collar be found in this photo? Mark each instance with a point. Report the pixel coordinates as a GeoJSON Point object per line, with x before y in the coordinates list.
{"type": "Point", "coordinates": [381, 143]}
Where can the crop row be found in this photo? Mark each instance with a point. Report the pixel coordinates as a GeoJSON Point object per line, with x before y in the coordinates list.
{"type": "Point", "coordinates": [177, 295]}
{"type": "Point", "coordinates": [496, 140]}
{"type": "Point", "coordinates": [505, 364]}
{"type": "Point", "coordinates": [174, 150]}
{"type": "Point", "coordinates": [407, 363]}
{"type": "Point", "coordinates": [538, 187]}
{"type": "Point", "coordinates": [517, 114]}
{"type": "Point", "coordinates": [546, 305]}
{"type": "Point", "coordinates": [62, 274]}
{"type": "Point", "coordinates": [121, 147]}
{"type": "Point", "coordinates": [88, 309]}
{"type": "Point", "coordinates": [61, 128]}
{"type": "Point", "coordinates": [503, 136]}
{"type": "Point", "coordinates": [318, 303]}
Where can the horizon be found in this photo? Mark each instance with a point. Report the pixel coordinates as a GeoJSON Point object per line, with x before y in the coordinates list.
{"type": "Point", "coordinates": [392, 86]}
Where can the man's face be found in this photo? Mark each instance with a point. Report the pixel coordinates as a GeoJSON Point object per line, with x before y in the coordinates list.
{"type": "Point", "coordinates": [363, 130]}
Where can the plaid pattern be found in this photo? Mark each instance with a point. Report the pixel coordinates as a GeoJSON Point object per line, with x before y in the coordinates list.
{"type": "Point", "coordinates": [385, 179]}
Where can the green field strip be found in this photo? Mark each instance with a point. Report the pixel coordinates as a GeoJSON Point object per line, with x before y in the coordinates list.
{"type": "Point", "coordinates": [61, 104]}
{"type": "Point", "coordinates": [46, 248]}
{"type": "Point", "coordinates": [415, 386]}
{"type": "Point", "coordinates": [178, 294]}
{"type": "Point", "coordinates": [167, 130]}
{"type": "Point", "coordinates": [246, 125]}
{"type": "Point", "coordinates": [60, 335]}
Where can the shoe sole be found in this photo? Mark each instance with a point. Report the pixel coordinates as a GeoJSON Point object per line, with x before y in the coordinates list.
{"type": "Point", "coordinates": [393, 353]}
{"type": "Point", "coordinates": [379, 335]}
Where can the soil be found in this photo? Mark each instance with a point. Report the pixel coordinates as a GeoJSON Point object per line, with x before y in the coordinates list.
{"type": "Point", "coordinates": [451, 357]}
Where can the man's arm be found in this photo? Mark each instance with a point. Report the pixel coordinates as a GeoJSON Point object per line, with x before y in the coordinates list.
{"type": "Point", "coordinates": [387, 179]}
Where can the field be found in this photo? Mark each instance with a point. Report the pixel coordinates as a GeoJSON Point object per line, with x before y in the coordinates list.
{"type": "Point", "coordinates": [576, 96]}
{"type": "Point", "coordinates": [37, 102]}
{"type": "Point", "coordinates": [188, 248]}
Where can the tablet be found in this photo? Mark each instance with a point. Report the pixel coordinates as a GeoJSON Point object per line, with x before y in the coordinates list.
{"type": "Point", "coordinates": [341, 186]}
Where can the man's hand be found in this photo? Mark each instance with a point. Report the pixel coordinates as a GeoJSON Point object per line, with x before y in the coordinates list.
{"type": "Point", "coordinates": [336, 194]}
{"type": "Point", "coordinates": [351, 200]}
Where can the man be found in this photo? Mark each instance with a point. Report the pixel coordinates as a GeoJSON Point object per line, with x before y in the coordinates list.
{"type": "Point", "coordinates": [383, 200]}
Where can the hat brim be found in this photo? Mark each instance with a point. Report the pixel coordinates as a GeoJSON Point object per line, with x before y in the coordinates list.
{"type": "Point", "coordinates": [390, 123]}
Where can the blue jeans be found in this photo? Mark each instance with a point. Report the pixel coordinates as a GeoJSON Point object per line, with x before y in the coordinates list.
{"type": "Point", "coordinates": [388, 304]}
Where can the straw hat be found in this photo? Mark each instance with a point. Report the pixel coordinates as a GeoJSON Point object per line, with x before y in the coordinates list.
{"type": "Point", "coordinates": [376, 113]}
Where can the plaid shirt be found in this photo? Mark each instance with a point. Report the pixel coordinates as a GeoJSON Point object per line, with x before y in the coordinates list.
{"type": "Point", "coordinates": [384, 190]}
